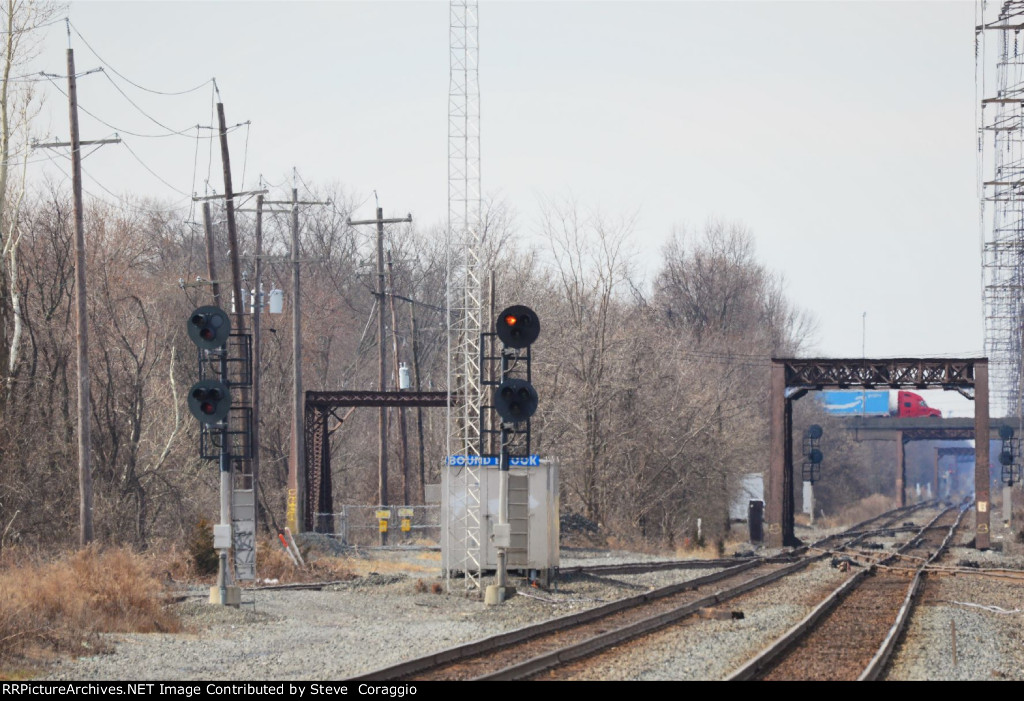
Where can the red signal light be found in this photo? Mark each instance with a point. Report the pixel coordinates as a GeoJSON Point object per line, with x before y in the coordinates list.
{"type": "Point", "coordinates": [209, 401]}
{"type": "Point", "coordinates": [517, 327]}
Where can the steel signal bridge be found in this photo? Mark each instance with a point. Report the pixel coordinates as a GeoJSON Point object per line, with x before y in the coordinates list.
{"type": "Point", "coordinates": [791, 378]}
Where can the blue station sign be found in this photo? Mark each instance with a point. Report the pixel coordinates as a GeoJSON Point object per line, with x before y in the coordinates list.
{"type": "Point", "coordinates": [492, 461]}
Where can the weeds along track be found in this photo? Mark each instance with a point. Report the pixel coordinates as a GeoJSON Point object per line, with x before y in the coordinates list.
{"type": "Point", "coordinates": [850, 635]}
{"type": "Point", "coordinates": [523, 653]}
{"type": "Point", "coordinates": [873, 526]}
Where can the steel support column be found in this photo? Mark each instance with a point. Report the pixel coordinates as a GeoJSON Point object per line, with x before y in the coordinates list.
{"type": "Point", "coordinates": [323, 523]}
{"type": "Point", "coordinates": [982, 496]}
{"type": "Point", "coordinates": [779, 511]}
{"type": "Point", "coordinates": [901, 470]}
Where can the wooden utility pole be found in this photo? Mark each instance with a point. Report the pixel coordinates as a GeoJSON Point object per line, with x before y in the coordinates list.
{"type": "Point", "coordinates": [402, 432]}
{"type": "Point", "coordinates": [296, 465]}
{"type": "Point", "coordinates": [419, 409]}
{"type": "Point", "coordinates": [229, 202]}
{"type": "Point", "coordinates": [295, 517]}
{"type": "Point", "coordinates": [382, 420]}
{"type": "Point", "coordinates": [257, 351]}
{"type": "Point", "coordinates": [382, 423]}
{"type": "Point", "coordinates": [81, 318]}
{"type": "Point", "coordinates": [211, 265]}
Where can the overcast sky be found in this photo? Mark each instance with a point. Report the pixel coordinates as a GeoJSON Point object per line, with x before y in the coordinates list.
{"type": "Point", "coordinates": [842, 134]}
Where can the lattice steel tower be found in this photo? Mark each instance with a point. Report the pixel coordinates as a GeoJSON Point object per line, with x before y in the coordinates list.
{"type": "Point", "coordinates": [465, 294]}
{"type": "Point", "coordinates": [1001, 170]}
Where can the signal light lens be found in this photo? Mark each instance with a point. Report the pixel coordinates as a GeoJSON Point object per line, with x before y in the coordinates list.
{"type": "Point", "coordinates": [517, 326]}
{"type": "Point", "coordinates": [209, 327]}
{"type": "Point", "coordinates": [515, 400]}
{"type": "Point", "coordinates": [209, 401]}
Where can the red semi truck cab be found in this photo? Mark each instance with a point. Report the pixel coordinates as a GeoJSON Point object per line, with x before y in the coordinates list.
{"type": "Point", "coordinates": [910, 404]}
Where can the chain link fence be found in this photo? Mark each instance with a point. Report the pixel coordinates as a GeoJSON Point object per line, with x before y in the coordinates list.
{"type": "Point", "coordinates": [363, 524]}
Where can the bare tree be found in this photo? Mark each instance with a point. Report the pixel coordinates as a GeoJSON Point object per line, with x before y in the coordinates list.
{"type": "Point", "coordinates": [21, 40]}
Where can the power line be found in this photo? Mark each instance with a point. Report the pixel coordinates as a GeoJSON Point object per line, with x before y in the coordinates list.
{"type": "Point", "coordinates": [245, 156]}
{"type": "Point", "coordinates": [121, 201]}
{"type": "Point", "coordinates": [131, 82]}
{"type": "Point", "coordinates": [153, 172]}
{"type": "Point", "coordinates": [133, 104]}
{"type": "Point", "coordinates": [122, 130]}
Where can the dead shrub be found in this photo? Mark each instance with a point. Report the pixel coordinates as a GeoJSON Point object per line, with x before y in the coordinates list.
{"type": "Point", "coordinates": [861, 510]}
{"type": "Point", "coordinates": [64, 604]}
{"type": "Point", "coordinates": [200, 546]}
{"type": "Point", "coordinates": [273, 562]}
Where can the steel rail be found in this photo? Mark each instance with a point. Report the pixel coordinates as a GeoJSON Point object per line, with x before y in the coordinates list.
{"type": "Point", "coordinates": [528, 632]}
{"type": "Point", "coordinates": [656, 566]}
{"type": "Point", "coordinates": [651, 624]}
{"type": "Point", "coordinates": [472, 649]}
{"type": "Point", "coordinates": [881, 658]}
{"type": "Point", "coordinates": [777, 649]}
{"type": "Point", "coordinates": [605, 640]}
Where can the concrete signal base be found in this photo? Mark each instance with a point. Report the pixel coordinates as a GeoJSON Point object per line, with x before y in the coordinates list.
{"type": "Point", "coordinates": [494, 595]}
{"type": "Point", "coordinates": [232, 596]}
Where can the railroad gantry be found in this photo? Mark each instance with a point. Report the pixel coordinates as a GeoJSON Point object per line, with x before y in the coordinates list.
{"type": "Point", "coordinates": [791, 378]}
{"type": "Point", "coordinates": [319, 407]}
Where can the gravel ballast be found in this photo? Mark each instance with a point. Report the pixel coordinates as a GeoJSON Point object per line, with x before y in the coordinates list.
{"type": "Point", "coordinates": [380, 619]}
{"type": "Point", "coordinates": [341, 631]}
{"type": "Point", "coordinates": [989, 644]}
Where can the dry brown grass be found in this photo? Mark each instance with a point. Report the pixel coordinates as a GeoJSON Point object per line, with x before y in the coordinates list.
{"type": "Point", "coordinates": [364, 567]}
{"type": "Point", "coordinates": [64, 604]}
{"type": "Point", "coordinates": [685, 549]}
{"type": "Point", "coordinates": [862, 510]}
{"type": "Point", "coordinates": [274, 563]}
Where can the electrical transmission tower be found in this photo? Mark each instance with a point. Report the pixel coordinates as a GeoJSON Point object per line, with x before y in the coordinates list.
{"type": "Point", "coordinates": [464, 528]}
{"type": "Point", "coordinates": [1001, 134]}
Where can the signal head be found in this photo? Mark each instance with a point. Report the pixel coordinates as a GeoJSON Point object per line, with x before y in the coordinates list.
{"type": "Point", "coordinates": [209, 401]}
{"type": "Point", "coordinates": [209, 327]}
{"type": "Point", "coordinates": [517, 326]}
{"type": "Point", "coordinates": [815, 456]}
{"type": "Point", "coordinates": [814, 432]}
{"type": "Point", "coordinates": [1006, 432]}
{"type": "Point", "coordinates": [515, 400]}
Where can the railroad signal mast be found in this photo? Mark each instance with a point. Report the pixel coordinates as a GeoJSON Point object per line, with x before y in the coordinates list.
{"type": "Point", "coordinates": [515, 400]}
{"type": "Point", "coordinates": [812, 465]}
{"type": "Point", "coordinates": [224, 436]}
{"type": "Point", "coordinates": [1009, 461]}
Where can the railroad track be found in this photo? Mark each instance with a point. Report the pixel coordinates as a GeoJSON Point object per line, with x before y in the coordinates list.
{"type": "Point", "coordinates": [852, 535]}
{"type": "Point", "coordinates": [851, 634]}
{"type": "Point", "coordinates": [649, 566]}
{"type": "Point", "coordinates": [525, 652]}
